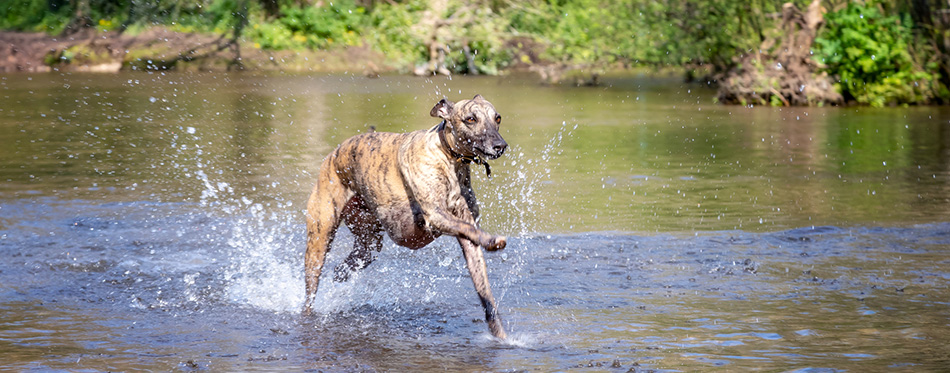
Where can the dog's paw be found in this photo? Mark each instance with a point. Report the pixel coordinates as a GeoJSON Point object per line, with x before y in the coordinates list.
{"type": "Point", "coordinates": [497, 243]}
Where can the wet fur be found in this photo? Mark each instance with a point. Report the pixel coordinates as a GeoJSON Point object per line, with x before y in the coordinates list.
{"type": "Point", "coordinates": [412, 186]}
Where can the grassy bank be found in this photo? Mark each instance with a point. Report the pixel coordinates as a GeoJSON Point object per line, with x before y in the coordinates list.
{"type": "Point", "coordinates": [877, 52]}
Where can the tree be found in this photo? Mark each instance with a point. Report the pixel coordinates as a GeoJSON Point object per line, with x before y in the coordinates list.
{"type": "Point", "coordinates": [81, 19]}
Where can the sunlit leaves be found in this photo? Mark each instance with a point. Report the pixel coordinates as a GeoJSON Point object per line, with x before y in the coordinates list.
{"type": "Point", "coordinates": [869, 53]}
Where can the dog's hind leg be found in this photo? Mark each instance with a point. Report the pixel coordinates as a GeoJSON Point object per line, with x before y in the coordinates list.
{"type": "Point", "coordinates": [368, 239]}
{"type": "Point", "coordinates": [324, 209]}
{"type": "Point", "coordinates": [479, 272]}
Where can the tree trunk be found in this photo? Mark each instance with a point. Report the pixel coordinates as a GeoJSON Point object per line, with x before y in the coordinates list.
{"type": "Point", "coordinates": [271, 8]}
{"type": "Point", "coordinates": [785, 74]}
{"type": "Point", "coordinates": [81, 18]}
{"type": "Point", "coordinates": [933, 25]}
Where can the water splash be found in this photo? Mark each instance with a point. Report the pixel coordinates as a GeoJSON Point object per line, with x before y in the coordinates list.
{"type": "Point", "coordinates": [522, 198]}
{"type": "Point", "coordinates": [517, 340]}
{"type": "Point", "coordinates": [262, 240]}
{"type": "Point", "coordinates": [265, 269]}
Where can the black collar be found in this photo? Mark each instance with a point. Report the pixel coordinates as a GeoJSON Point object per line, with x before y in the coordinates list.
{"type": "Point", "coordinates": [459, 157]}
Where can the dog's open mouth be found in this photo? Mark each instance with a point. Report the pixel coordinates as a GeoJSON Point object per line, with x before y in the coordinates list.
{"type": "Point", "coordinates": [488, 155]}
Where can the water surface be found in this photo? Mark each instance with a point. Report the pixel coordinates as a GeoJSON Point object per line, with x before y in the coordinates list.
{"type": "Point", "coordinates": [155, 221]}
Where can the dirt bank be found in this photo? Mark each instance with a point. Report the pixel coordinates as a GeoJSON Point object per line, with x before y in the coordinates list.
{"type": "Point", "coordinates": [162, 49]}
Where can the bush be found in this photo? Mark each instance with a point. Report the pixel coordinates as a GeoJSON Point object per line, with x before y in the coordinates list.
{"type": "Point", "coordinates": [869, 53]}
{"type": "Point", "coordinates": [484, 38]}
{"type": "Point", "coordinates": [397, 31]}
{"type": "Point", "coordinates": [391, 31]}
{"type": "Point", "coordinates": [33, 15]}
{"type": "Point", "coordinates": [583, 32]}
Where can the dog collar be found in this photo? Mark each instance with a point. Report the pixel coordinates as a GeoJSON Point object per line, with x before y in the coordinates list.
{"type": "Point", "coordinates": [459, 157]}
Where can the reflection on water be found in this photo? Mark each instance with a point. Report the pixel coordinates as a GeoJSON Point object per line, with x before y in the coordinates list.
{"type": "Point", "coordinates": [154, 221]}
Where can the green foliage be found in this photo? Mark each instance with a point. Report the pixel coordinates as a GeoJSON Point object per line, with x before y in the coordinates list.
{"type": "Point", "coordinates": [869, 53]}
{"type": "Point", "coordinates": [79, 55]}
{"type": "Point", "coordinates": [669, 33]}
{"type": "Point", "coordinates": [336, 24]}
{"type": "Point", "coordinates": [392, 31]}
{"type": "Point", "coordinates": [223, 15]}
{"type": "Point", "coordinates": [52, 16]}
{"type": "Point", "coordinates": [482, 32]}
{"type": "Point", "coordinates": [582, 32]}
{"type": "Point", "coordinates": [708, 34]}
{"type": "Point", "coordinates": [870, 46]}
{"type": "Point", "coordinates": [33, 15]}
{"type": "Point", "coordinates": [399, 31]}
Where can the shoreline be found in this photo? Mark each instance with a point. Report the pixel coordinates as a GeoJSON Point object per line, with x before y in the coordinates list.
{"type": "Point", "coordinates": [161, 49]}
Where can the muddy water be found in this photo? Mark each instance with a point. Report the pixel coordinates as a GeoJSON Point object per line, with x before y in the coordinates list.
{"type": "Point", "coordinates": [154, 222]}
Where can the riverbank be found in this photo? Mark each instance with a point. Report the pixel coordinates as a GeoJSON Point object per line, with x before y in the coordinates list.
{"type": "Point", "coordinates": [162, 49]}
{"type": "Point", "coordinates": [881, 54]}
{"type": "Point", "coordinates": [159, 48]}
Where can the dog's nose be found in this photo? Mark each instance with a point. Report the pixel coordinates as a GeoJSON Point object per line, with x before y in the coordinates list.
{"type": "Point", "coordinates": [499, 147]}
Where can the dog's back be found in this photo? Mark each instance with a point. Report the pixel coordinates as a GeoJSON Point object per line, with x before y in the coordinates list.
{"type": "Point", "coordinates": [372, 167]}
{"type": "Point", "coordinates": [368, 158]}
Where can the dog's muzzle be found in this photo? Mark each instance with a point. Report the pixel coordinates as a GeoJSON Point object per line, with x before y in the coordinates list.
{"type": "Point", "coordinates": [495, 148]}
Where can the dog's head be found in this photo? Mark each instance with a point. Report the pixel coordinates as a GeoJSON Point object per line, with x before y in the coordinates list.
{"type": "Point", "coordinates": [474, 124]}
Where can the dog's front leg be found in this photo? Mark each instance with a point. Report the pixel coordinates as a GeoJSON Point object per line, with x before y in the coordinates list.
{"type": "Point", "coordinates": [463, 228]}
{"type": "Point", "coordinates": [476, 267]}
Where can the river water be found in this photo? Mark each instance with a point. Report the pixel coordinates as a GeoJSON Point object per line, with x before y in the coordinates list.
{"type": "Point", "coordinates": [154, 221]}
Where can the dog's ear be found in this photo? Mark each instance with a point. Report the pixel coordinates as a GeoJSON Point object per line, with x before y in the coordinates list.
{"type": "Point", "coordinates": [478, 98]}
{"type": "Point", "coordinates": [443, 109]}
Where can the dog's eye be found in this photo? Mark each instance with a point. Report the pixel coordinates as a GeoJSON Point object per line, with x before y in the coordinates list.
{"type": "Point", "coordinates": [470, 120]}
{"type": "Point", "coordinates": [498, 119]}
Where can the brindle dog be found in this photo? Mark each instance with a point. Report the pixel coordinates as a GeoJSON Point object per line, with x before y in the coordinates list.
{"type": "Point", "coordinates": [416, 186]}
